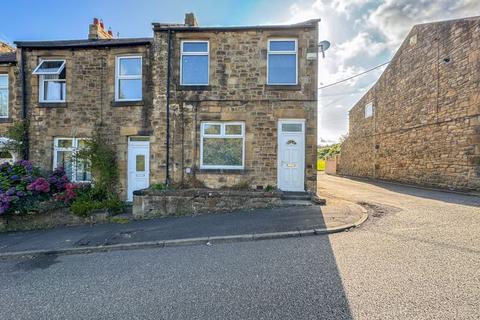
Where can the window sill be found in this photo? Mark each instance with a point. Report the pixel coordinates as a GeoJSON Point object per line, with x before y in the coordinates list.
{"type": "Point", "coordinates": [286, 87]}
{"type": "Point", "coordinates": [6, 120]}
{"type": "Point", "coordinates": [221, 171]}
{"type": "Point", "coordinates": [194, 88]}
{"type": "Point", "coordinates": [52, 104]}
{"type": "Point", "coordinates": [127, 103]}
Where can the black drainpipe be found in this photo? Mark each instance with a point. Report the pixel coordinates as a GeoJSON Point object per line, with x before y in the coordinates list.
{"type": "Point", "coordinates": [169, 53]}
{"type": "Point", "coordinates": [24, 106]}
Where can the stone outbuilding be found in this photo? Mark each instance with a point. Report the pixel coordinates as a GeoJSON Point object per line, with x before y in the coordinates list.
{"type": "Point", "coordinates": [420, 123]}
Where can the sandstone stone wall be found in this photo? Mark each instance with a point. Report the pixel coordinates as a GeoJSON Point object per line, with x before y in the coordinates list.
{"type": "Point", "coordinates": [151, 203]}
{"type": "Point", "coordinates": [426, 124]}
{"type": "Point", "coordinates": [238, 92]}
{"type": "Point", "coordinates": [14, 107]}
{"type": "Point", "coordinates": [90, 77]}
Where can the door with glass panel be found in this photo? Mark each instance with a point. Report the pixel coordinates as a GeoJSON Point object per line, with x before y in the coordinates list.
{"type": "Point", "coordinates": [291, 155]}
{"type": "Point", "coordinates": [138, 165]}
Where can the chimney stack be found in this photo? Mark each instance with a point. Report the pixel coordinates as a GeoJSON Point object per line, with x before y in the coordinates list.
{"type": "Point", "coordinates": [97, 31]}
{"type": "Point", "coordinates": [190, 20]}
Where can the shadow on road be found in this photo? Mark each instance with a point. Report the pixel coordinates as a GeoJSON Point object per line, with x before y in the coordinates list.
{"type": "Point", "coordinates": [294, 278]}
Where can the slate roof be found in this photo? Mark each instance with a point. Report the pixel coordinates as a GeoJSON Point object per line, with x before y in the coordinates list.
{"type": "Point", "coordinates": [184, 28]}
{"type": "Point", "coordinates": [84, 43]}
{"type": "Point", "coordinates": [8, 57]}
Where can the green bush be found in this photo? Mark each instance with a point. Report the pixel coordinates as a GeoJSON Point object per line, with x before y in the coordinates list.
{"type": "Point", "coordinates": [158, 186]}
{"type": "Point", "coordinates": [17, 135]}
{"type": "Point", "coordinates": [84, 208]}
{"type": "Point", "coordinates": [90, 199]}
{"type": "Point", "coordinates": [25, 189]}
{"type": "Point", "coordinates": [103, 194]}
{"type": "Point", "coordinates": [270, 188]}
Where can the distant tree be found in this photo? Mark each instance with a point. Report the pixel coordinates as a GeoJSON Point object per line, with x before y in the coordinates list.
{"type": "Point", "coordinates": [330, 150]}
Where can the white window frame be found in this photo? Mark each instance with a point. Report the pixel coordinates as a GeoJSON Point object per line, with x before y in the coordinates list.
{"type": "Point", "coordinates": [119, 77]}
{"type": "Point", "coordinates": [269, 52]}
{"type": "Point", "coordinates": [222, 135]}
{"type": "Point", "coordinates": [199, 53]}
{"type": "Point", "coordinates": [74, 149]}
{"type": "Point", "coordinates": [59, 70]}
{"type": "Point", "coordinates": [368, 110]}
{"type": "Point", "coordinates": [8, 94]}
{"type": "Point", "coordinates": [42, 80]}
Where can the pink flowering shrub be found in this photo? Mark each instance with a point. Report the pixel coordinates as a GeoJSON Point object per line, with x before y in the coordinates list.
{"type": "Point", "coordinates": [23, 187]}
{"type": "Point", "coordinates": [40, 185]}
{"type": "Point", "coordinates": [68, 194]}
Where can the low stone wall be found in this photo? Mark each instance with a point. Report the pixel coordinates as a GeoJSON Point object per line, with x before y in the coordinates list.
{"type": "Point", "coordinates": [155, 203]}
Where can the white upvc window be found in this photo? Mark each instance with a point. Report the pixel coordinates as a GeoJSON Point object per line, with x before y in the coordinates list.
{"type": "Point", "coordinates": [52, 80]}
{"type": "Point", "coordinates": [3, 95]}
{"type": "Point", "coordinates": [282, 62]}
{"type": "Point", "coordinates": [194, 62]}
{"type": "Point", "coordinates": [128, 78]}
{"type": "Point", "coordinates": [65, 155]}
{"type": "Point", "coordinates": [222, 145]}
{"type": "Point", "coordinates": [369, 110]}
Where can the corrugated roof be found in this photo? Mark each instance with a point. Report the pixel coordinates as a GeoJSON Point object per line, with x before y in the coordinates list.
{"type": "Point", "coordinates": [184, 28]}
{"type": "Point", "coordinates": [8, 57]}
{"type": "Point", "coordinates": [84, 43]}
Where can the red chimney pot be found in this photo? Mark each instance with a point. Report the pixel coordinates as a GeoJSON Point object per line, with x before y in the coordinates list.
{"type": "Point", "coordinates": [110, 32]}
{"type": "Point", "coordinates": [95, 20]}
{"type": "Point", "coordinates": [101, 24]}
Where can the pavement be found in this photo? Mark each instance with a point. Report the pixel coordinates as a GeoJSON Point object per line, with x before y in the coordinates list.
{"type": "Point", "coordinates": [294, 221]}
{"type": "Point", "coordinates": [416, 257]}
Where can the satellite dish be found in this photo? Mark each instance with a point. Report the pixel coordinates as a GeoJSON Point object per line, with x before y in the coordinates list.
{"type": "Point", "coordinates": [324, 45]}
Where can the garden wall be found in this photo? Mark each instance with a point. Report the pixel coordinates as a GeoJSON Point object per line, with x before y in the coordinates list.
{"type": "Point", "coordinates": [152, 203]}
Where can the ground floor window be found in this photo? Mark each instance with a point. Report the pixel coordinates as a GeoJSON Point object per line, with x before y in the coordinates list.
{"type": "Point", "coordinates": [65, 155]}
{"type": "Point", "coordinates": [222, 145]}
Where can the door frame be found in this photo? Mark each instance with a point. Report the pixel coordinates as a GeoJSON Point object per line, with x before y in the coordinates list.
{"type": "Point", "coordinates": [279, 160]}
{"type": "Point", "coordinates": [145, 143]}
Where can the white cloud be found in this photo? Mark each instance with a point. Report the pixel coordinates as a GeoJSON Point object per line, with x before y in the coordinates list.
{"type": "Point", "coordinates": [394, 18]}
{"type": "Point", "coordinates": [364, 33]}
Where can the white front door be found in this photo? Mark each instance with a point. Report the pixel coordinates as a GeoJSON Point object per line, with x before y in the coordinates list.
{"type": "Point", "coordinates": [138, 165]}
{"type": "Point", "coordinates": [291, 155]}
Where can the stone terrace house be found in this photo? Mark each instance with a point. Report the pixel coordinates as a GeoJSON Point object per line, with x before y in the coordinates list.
{"type": "Point", "coordinates": [219, 105]}
{"type": "Point", "coordinates": [420, 123]}
{"type": "Point", "coordinates": [9, 109]}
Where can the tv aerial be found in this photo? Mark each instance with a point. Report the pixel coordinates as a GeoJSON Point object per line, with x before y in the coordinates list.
{"type": "Point", "coordinates": [324, 45]}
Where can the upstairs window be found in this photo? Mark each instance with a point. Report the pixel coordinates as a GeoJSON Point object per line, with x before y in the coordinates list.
{"type": "Point", "coordinates": [368, 110]}
{"type": "Point", "coordinates": [222, 145]}
{"type": "Point", "coordinates": [65, 156]}
{"type": "Point", "coordinates": [282, 62]}
{"type": "Point", "coordinates": [128, 78]}
{"type": "Point", "coordinates": [3, 95]}
{"type": "Point", "coordinates": [194, 64]}
{"type": "Point", "coordinates": [52, 80]}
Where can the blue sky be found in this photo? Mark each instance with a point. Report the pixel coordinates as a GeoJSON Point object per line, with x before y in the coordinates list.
{"type": "Point", "coordinates": [363, 33]}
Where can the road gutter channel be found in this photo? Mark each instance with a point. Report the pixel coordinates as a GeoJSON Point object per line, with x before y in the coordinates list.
{"type": "Point", "coordinates": [187, 241]}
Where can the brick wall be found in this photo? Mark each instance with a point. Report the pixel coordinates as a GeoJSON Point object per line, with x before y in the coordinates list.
{"type": "Point", "coordinates": [426, 125]}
